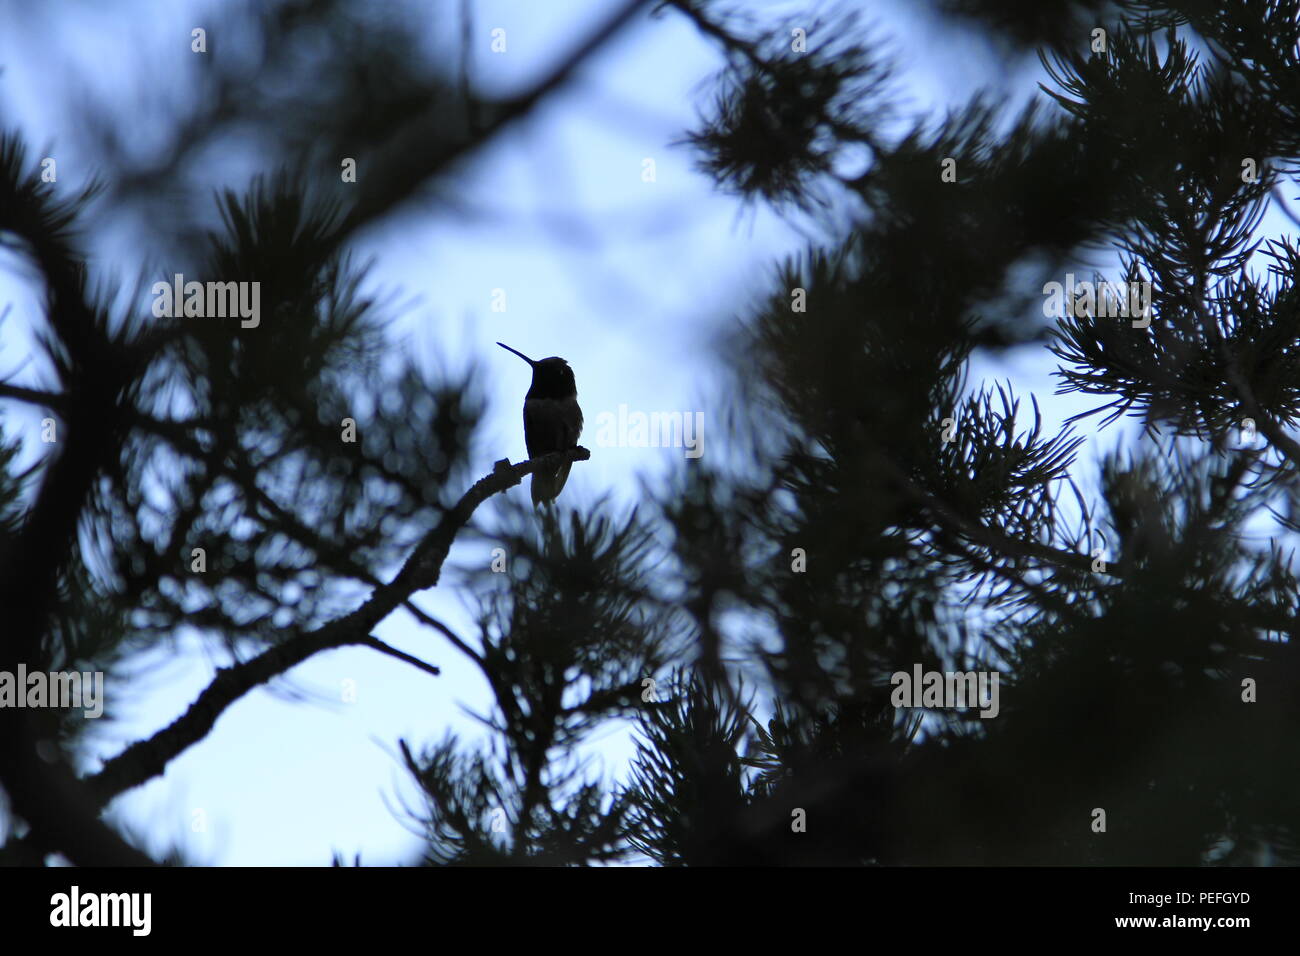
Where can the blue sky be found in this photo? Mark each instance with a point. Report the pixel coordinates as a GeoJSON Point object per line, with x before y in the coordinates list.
{"type": "Point", "coordinates": [625, 279]}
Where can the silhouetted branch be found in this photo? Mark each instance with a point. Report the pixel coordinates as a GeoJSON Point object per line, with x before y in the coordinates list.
{"type": "Point", "coordinates": [33, 396]}
{"type": "Point", "coordinates": [148, 758]}
{"type": "Point", "coordinates": [421, 148]}
{"type": "Point", "coordinates": [391, 651]}
{"type": "Point", "coordinates": [425, 618]}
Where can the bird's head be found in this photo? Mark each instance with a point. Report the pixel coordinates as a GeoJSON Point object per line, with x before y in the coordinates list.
{"type": "Point", "coordinates": [552, 377]}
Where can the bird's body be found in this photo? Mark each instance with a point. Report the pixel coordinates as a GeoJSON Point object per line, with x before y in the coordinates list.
{"type": "Point", "coordinates": [552, 420]}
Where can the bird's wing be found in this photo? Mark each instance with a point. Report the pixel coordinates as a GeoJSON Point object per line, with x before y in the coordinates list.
{"type": "Point", "coordinates": [549, 428]}
{"type": "Point", "coordinates": [541, 429]}
{"type": "Point", "coordinates": [551, 425]}
{"type": "Point", "coordinates": [571, 433]}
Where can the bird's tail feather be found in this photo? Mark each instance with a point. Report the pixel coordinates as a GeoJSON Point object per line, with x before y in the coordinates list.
{"type": "Point", "coordinates": [546, 485]}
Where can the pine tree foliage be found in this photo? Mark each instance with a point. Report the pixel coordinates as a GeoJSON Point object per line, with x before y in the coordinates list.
{"type": "Point", "coordinates": [875, 509]}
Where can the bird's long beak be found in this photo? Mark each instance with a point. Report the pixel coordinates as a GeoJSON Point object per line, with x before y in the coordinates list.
{"type": "Point", "coordinates": [520, 354]}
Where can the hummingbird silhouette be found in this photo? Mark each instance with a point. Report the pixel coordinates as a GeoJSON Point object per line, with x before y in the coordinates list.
{"type": "Point", "coordinates": [552, 419]}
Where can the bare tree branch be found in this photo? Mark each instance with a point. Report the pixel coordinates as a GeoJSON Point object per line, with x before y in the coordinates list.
{"type": "Point", "coordinates": [148, 758]}
{"type": "Point", "coordinates": [33, 396]}
{"type": "Point", "coordinates": [391, 651]}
